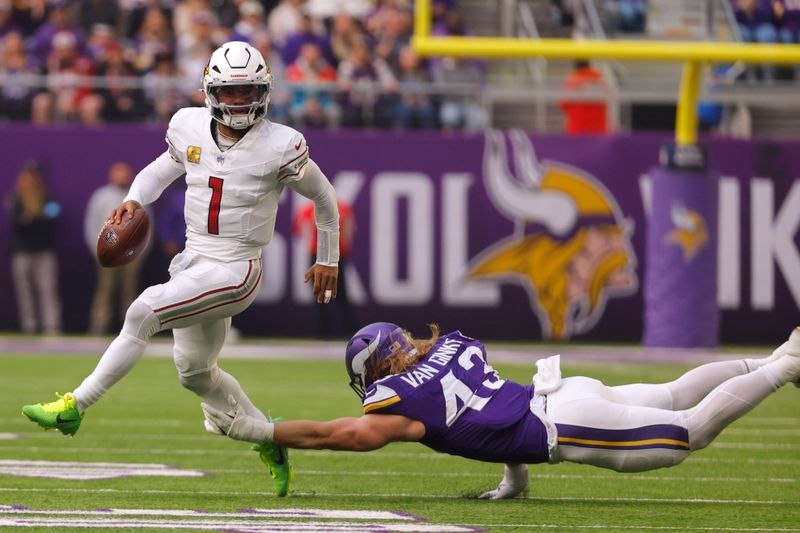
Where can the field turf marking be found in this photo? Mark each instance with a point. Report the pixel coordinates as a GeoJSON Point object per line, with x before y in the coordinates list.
{"type": "Point", "coordinates": [771, 433]}
{"type": "Point", "coordinates": [87, 471]}
{"type": "Point", "coordinates": [16, 446]}
{"type": "Point", "coordinates": [243, 526]}
{"type": "Point", "coordinates": [575, 527]}
{"type": "Point", "coordinates": [414, 495]}
{"type": "Point", "coordinates": [491, 475]}
{"type": "Point", "coordinates": [749, 460]}
{"type": "Point", "coordinates": [242, 513]}
{"type": "Point", "coordinates": [67, 470]}
{"type": "Point", "coordinates": [755, 445]}
{"type": "Point", "coordinates": [257, 520]}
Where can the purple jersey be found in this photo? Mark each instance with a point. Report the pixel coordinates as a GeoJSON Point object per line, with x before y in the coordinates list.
{"type": "Point", "coordinates": [465, 406]}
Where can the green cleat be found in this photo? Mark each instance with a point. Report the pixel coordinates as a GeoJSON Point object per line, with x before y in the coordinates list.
{"type": "Point", "coordinates": [277, 460]}
{"type": "Point", "coordinates": [61, 414]}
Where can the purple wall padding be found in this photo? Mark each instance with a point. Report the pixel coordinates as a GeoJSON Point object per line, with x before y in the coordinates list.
{"type": "Point", "coordinates": [681, 274]}
{"type": "Point", "coordinates": [443, 217]}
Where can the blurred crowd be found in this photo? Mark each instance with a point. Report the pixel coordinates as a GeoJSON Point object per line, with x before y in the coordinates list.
{"type": "Point", "coordinates": [758, 21]}
{"type": "Point", "coordinates": [769, 21]}
{"type": "Point", "coordinates": [762, 21]}
{"type": "Point", "coordinates": [335, 62]}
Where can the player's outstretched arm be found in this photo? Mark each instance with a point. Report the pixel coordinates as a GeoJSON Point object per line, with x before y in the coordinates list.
{"type": "Point", "coordinates": [369, 432]}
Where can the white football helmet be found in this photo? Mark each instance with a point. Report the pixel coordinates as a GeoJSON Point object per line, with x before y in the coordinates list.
{"type": "Point", "coordinates": [237, 63]}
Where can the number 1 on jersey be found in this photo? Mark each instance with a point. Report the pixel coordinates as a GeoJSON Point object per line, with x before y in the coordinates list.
{"type": "Point", "coordinates": [215, 184]}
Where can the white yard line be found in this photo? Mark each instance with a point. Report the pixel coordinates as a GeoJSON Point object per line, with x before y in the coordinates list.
{"type": "Point", "coordinates": [256, 513]}
{"type": "Point", "coordinates": [389, 473]}
{"type": "Point", "coordinates": [748, 423]}
{"type": "Point", "coordinates": [535, 476]}
{"type": "Point", "coordinates": [768, 432]}
{"type": "Point", "coordinates": [21, 446]}
{"type": "Point", "coordinates": [416, 495]}
{"type": "Point", "coordinates": [750, 461]}
{"type": "Point", "coordinates": [249, 526]}
{"type": "Point", "coordinates": [195, 424]}
{"type": "Point", "coordinates": [756, 445]}
{"type": "Point", "coordinates": [578, 527]}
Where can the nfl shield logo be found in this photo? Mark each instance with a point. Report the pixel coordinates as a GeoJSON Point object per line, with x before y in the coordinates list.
{"type": "Point", "coordinates": [111, 238]}
{"type": "Point", "coordinates": [220, 159]}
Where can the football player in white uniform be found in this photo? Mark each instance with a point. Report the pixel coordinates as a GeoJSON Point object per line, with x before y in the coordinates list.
{"type": "Point", "coordinates": [236, 164]}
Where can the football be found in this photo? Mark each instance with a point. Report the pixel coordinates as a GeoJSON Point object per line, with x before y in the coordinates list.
{"type": "Point", "coordinates": [119, 244]}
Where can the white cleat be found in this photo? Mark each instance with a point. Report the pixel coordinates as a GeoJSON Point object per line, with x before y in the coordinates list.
{"type": "Point", "coordinates": [779, 352]}
{"type": "Point", "coordinates": [791, 348]}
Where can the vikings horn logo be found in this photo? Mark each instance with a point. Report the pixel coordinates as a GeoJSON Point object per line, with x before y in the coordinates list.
{"type": "Point", "coordinates": [690, 231]}
{"type": "Point", "coordinates": [571, 247]}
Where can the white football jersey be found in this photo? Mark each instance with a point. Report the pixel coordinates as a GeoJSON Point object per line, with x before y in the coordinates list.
{"type": "Point", "coordinates": [232, 196]}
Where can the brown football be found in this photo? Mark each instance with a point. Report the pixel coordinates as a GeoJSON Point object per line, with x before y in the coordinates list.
{"type": "Point", "coordinates": [119, 244]}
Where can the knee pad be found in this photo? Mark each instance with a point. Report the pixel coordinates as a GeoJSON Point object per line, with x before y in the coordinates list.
{"type": "Point", "coordinates": [200, 381]}
{"type": "Point", "coordinates": [140, 321]}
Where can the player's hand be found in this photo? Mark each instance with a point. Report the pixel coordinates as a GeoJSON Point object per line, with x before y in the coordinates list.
{"type": "Point", "coordinates": [235, 423]}
{"type": "Point", "coordinates": [125, 209]}
{"type": "Point", "coordinates": [514, 482]}
{"type": "Point", "coordinates": [325, 282]}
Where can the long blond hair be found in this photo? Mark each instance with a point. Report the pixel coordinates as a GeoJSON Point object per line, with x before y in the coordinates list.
{"type": "Point", "coordinates": [400, 360]}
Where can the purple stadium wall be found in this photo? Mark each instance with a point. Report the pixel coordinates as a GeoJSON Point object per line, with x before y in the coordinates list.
{"type": "Point", "coordinates": [447, 231]}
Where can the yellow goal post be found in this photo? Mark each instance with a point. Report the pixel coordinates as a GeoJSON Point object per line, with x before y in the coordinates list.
{"type": "Point", "coordinates": [693, 54]}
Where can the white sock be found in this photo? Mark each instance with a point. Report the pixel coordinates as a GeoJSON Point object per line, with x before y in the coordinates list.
{"type": "Point", "coordinates": [683, 392]}
{"type": "Point", "coordinates": [785, 369]}
{"type": "Point", "coordinates": [119, 358]}
{"type": "Point", "coordinates": [696, 384]}
{"type": "Point", "coordinates": [776, 354]}
{"type": "Point", "coordinates": [727, 403]}
{"type": "Point", "coordinates": [227, 385]}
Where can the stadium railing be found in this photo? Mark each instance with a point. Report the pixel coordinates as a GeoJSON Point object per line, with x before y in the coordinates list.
{"type": "Point", "coordinates": [693, 54]}
{"type": "Point", "coordinates": [531, 85]}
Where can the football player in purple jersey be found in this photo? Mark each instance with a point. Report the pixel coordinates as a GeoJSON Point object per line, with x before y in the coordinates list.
{"type": "Point", "coordinates": [443, 393]}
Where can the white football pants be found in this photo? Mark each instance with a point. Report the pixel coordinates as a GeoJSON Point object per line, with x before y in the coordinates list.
{"type": "Point", "coordinates": [197, 303]}
{"type": "Point", "coordinates": [638, 427]}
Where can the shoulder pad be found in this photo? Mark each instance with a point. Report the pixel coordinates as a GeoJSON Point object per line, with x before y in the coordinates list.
{"type": "Point", "coordinates": [458, 332]}
{"type": "Point", "coordinates": [378, 396]}
{"type": "Point", "coordinates": [187, 113]}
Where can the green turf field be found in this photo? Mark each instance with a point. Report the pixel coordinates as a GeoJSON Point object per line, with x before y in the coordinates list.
{"type": "Point", "coordinates": [746, 481]}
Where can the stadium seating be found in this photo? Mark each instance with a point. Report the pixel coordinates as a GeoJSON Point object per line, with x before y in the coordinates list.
{"type": "Point", "coordinates": [517, 93]}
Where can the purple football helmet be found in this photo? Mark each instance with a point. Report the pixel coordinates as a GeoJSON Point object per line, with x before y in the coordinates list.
{"type": "Point", "coordinates": [369, 345]}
